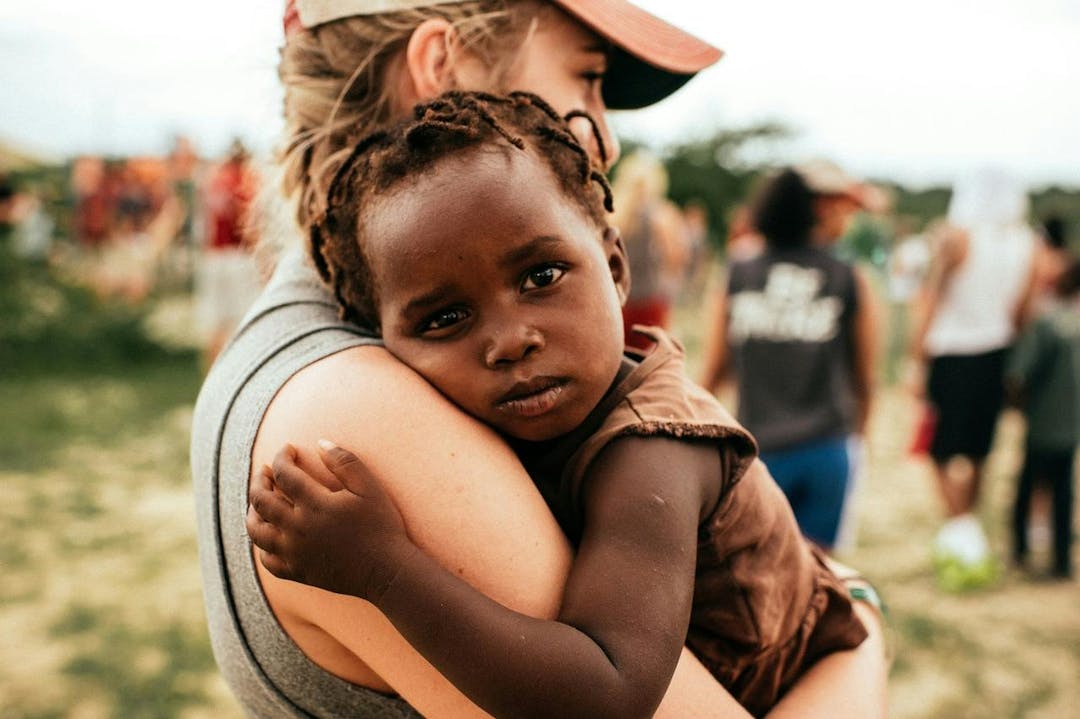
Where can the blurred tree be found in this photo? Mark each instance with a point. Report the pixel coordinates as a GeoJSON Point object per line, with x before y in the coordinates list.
{"type": "Point", "coordinates": [931, 203]}
{"type": "Point", "coordinates": [867, 240]}
{"type": "Point", "coordinates": [714, 171]}
{"type": "Point", "coordinates": [1063, 203]}
{"type": "Point", "coordinates": [718, 173]}
{"type": "Point", "coordinates": [922, 205]}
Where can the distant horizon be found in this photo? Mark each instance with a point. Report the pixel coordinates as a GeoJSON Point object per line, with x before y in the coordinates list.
{"type": "Point", "coordinates": [913, 95]}
{"type": "Point", "coordinates": [262, 155]}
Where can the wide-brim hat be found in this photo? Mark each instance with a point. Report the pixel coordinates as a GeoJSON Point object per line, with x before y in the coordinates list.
{"type": "Point", "coordinates": [650, 58]}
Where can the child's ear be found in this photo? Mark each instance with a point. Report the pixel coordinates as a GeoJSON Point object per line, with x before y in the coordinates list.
{"type": "Point", "coordinates": [617, 262]}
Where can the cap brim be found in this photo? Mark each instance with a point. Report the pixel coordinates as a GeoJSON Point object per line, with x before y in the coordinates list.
{"type": "Point", "coordinates": [651, 57]}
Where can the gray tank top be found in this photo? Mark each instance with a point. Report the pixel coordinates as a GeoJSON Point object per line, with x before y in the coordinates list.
{"type": "Point", "coordinates": [293, 323]}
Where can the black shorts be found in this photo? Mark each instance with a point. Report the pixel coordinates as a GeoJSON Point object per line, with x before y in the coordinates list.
{"type": "Point", "coordinates": [967, 392]}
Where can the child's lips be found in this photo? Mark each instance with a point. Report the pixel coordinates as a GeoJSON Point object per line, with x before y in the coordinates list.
{"type": "Point", "coordinates": [532, 398]}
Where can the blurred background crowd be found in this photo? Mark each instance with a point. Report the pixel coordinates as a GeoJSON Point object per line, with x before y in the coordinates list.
{"type": "Point", "coordinates": [117, 270]}
{"type": "Point", "coordinates": [136, 229]}
{"type": "Point", "coordinates": [121, 276]}
{"type": "Point", "coordinates": [123, 266]}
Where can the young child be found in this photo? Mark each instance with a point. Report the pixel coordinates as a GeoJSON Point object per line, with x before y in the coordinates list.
{"type": "Point", "coordinates": [1044, 370]}
{"type": "Point", "coordinates": [475, 238]}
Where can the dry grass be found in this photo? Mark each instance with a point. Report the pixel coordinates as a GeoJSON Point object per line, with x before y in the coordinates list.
{"type": "Point", "coordinates": [1012, 650]}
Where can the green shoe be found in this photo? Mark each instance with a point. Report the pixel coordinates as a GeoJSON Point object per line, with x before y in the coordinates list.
{"type": "Point", "coordinates": [955, 576]}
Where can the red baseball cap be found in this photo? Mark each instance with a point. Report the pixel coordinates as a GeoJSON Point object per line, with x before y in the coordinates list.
{"type": "Point", "coordinates": [650, 58]}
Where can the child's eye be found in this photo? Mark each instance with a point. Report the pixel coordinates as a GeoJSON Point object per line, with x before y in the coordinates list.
{"type": "Point", "coordinates": [542, 277]}
{"type": "Point", "coordinates": [443, 320]}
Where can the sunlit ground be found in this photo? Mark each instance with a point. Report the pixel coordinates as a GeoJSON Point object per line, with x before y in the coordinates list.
{"type": "Point", "coordinates": [101, 606]}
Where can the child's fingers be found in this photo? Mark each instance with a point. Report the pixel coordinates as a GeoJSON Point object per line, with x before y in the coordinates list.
{"type": "Point", "coordinates": [263, 486]}
{"type": "Point", "coordinates": [294, 482]}
{"type": "Point", "coordinates": [286, 455]}
{"type": "Point", "coordinates": [263, 534]}
{"type": "Point", "coordinates": [346, 466]}
{"type": "Point", "coordinates": [276, 565]}
{"type": "Point", "coordinates": [272, 506]}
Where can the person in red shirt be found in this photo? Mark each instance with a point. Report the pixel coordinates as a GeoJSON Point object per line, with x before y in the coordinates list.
{"type": "Point", "coordinates": [227, 280]}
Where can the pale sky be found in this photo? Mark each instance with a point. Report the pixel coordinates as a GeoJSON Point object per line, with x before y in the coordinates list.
{"type": "Point", "coordinates": [916, 91]}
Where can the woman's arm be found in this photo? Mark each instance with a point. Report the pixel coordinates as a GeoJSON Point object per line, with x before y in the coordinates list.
{"type": "Point", "coordinates": [716, 371]}
{"type": "Point", "coordinates": [464, 497]}
{"type": "Point", "coordinates": [850, 684]}
{"type": "Point", "coordinates": [950, 248]}
{"type": "Point", "coordinates": [465, 500]}
{"type": "Point", "coordinates": [865, 348]}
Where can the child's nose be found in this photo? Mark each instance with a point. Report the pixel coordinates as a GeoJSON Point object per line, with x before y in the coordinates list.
{"type": "Point", "coordinates": [512, 344]}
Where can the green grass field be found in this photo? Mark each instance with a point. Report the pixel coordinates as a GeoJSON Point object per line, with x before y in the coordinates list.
{"type": "Point", "coordinates": [101, 608]}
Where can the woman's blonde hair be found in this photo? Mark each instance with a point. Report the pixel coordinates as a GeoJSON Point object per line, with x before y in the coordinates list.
{"type": "Point", "coordinates": [339, 83]}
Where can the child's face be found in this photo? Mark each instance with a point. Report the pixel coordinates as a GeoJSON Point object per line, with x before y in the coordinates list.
{"type": "Point", "coordinates": [499, 290]}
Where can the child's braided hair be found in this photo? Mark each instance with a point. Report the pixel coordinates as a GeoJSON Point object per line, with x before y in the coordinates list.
{"type": "Point", "coordinates": [452, 122]}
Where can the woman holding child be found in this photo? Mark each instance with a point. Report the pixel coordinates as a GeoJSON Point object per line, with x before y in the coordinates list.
{"type": "Point", "coordinates": [296, 373]}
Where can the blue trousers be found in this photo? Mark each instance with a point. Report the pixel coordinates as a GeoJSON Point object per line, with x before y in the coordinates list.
{"type": "Point", "coordinates": [815, 478]}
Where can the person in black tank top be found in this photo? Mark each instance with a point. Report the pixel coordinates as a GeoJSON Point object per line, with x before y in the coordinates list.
{"type": "Point", "coordinates": [793, 332]}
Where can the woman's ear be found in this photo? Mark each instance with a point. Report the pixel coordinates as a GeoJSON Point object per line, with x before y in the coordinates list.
{"type": "Point", "coordinates": [428, 61]}
{"type": "Point", "coordinates": [617, 263]}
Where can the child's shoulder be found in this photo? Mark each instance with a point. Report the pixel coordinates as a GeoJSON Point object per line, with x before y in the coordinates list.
{"type": "Point", "coordinates": [658, 400]}
{"type": "Point", "coordinates": [658, 397]}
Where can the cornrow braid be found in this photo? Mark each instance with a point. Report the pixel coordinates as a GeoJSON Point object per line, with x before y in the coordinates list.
{"type": "Point", "coordinates": [451, 123]}
{"type": "Point", "coordinates": [318, 217]}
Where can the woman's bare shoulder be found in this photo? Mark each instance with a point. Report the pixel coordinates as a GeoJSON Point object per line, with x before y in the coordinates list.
{"type": "Point", "coordinates": [463, 493]}
{"type": "Point", "coordinates": [363, 392]}
{"type": "Point", "coordinates": [368, 373]}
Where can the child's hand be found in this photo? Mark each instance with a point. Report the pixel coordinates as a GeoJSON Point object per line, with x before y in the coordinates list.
{"type": "Point", "coordinates": [349, 542]}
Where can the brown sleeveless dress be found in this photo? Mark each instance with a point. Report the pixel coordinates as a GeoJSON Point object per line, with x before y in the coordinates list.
{"type": "Point", "coordinates": [765, 605]}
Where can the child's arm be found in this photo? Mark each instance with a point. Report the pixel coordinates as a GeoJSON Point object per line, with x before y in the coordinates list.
{"type": "Point", "coordinates": [627, 602]}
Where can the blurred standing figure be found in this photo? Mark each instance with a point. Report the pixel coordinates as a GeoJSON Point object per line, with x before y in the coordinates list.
{"type": "Point", "coordinates": [979, 285]}
{"type": "Point", "coordinates": [795, 326]}
{"type": "Point", "coordinates": [25, 227]}
{"type": "Point", "coordinates": [744, 242]}
{"type": "Point", "coordinates": [652, 230]}
{"type": "Point", "coordinates": [1052, 258]}
{"type": "Point", "coordinates": [183, 164]}
{"type": "Point", "coordinates": [695, 219]}
{"type": "Point", "coordinates": [93, 184]}
{"type": "Point", "coordinates": [905, 271]}
{"type": "Point", "coordinates": [141, 228]}
{"type": "Point", "coordinates": [1044, 372]}
{"type": "Point", "coordinates": [227, 281]}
